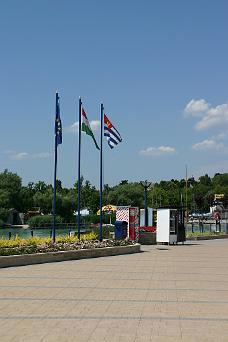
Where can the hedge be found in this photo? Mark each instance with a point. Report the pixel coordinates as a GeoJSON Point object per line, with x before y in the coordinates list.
{"type": "Point", "coordinates": [43, 220]}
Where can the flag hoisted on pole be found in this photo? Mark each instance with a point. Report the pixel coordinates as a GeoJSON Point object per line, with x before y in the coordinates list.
{"type": "Point", "coordinates": [113, 137]}
{"type": "Point", "coordinates": [58, 140]}
{"type": "Point", "coordinates": [101, 171]}
{"type": "Point", "coordinates": [84, 126]}
{"type": "Point", "coordinates": [79, 167]}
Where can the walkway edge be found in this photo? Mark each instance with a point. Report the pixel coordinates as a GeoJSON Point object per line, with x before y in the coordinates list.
{"type": "Point", "coordinates": [41, 258]}
{"type": "Point", "coordinates": [207, 237]}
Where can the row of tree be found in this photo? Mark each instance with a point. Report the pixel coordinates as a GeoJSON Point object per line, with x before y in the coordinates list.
{"type": "Point", "coordinates": [198, 195]}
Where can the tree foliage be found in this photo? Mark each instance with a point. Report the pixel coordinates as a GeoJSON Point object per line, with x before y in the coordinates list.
{"type": "Point", "coordinates": [198, 195]}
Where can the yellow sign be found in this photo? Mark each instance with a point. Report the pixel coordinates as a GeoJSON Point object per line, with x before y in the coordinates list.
{"type": "Point", "coordinates": [108, 208]}
{"type": "Point", "coordinates": [219, 196]}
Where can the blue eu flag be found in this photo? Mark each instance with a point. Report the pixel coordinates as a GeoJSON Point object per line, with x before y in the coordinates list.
{"type": "Point", "coordinates": [58, 124]}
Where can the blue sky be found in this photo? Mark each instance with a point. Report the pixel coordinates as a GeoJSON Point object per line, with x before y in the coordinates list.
{"type": "Point", "coordinates": [160, 68]}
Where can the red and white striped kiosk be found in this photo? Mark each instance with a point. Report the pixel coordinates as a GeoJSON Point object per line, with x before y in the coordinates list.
{"type": "Point", "coordinates": [131, 216]}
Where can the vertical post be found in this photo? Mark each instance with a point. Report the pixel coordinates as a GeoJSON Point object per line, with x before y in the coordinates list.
{"type": "Point", "coordinates": [146, 186]}
{"type": "Point", "coordinates": [101, 170]}
{"type": "Point", "coordinates": [146, 209]}
{"type": "Point", "coordinates": [79, 166]}
{"type": "Point", "coordinates": [186, 192]}
{"type": "Point", "coordinates": [55, 171]}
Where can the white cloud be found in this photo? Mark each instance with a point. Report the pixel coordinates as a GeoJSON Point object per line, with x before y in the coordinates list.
{"type": "Point", "coordinates": [41, 155]}
{"type": "Point", "coordinates": [26, 156]}
{"type": "Point", "coordinates": [196, 107]}
{"type": "Point", "coordinates": [220, 136]}
{"type": "Point", "coordinates": [208, 145]}
{"type": "Point", "coordinates": [19, 156]}
{"type": "Point", "coordinates": [73, 128]}
{"type": "Point", "coordinates": [214, 117]}
{"type": "Point", "coordinates": [209, 117]}
{"type": "Point", "coordinates": [94, 124]}
{"type": "Point", "coordinates": [158, 151]}
{"type": "Point", "coordinates": [8, 152]}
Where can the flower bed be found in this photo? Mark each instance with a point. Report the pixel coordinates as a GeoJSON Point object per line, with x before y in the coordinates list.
{"type": "Point", "coordinates": [34, 245]}
{"type": "Point", "coordinates": [20, 252]}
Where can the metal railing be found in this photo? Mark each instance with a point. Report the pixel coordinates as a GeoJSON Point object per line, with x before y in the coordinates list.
{"type": "Point", "coordinates": [204, 227]}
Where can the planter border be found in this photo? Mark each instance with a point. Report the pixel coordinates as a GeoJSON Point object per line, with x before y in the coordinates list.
{"type": "Point", "coordinates": [208, 237]}
{"type": "Point", "coordinates": [40, 258]}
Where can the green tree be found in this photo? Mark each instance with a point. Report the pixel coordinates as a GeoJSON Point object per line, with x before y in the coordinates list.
{"type": "Point", "coordinates": [44, 201]}
{"type": "Point", "coordinates": [26, 201]}
{"type": "Point", "coordinates": [205, 180]}
{"type": "Point", "coordinates": [10, 187]}
{"type": "Point", "coordinates": [40, 187]}
{"type": "Point", "coordinates": [127, 194]}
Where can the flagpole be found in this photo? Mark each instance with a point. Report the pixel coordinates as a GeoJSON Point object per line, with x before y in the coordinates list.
{"type": "Point", "coordinates": [186, 190]}
{"type": "Point", "coordinates": [101, 169]}
{"type": "Point", "coordinates": [55, 172]}
{"type": "Point", "coordinates": [79, 167]}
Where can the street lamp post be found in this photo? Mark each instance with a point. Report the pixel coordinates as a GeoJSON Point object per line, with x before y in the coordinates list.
{"type": "Point", "coordinates": [146, 186]}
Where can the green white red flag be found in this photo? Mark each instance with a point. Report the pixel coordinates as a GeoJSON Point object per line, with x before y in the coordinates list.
{"type": "Point", "coordinates": [86, 127]}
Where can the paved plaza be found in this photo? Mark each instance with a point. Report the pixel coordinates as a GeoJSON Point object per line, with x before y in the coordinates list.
{"type": "Point", "coordinates": [166, 293]}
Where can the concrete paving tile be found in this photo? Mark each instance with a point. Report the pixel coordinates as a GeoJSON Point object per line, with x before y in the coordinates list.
{"type": "Point", "coordinates": [65, 338]}
{"type": "Point", "coordinates": [155, 338]}
{"type": "Point", "coordinates": [100, 332]}
{"type": "Point", "coordinates": [200, 338]}
{"type": "Point", "coordinates": [174, 295]}
{"type": "Point", "coordinates": [121, 309]}
{"type": "Point", "coordinates": [28, 338]}
{"type": "Point", "coordinates": [127, 337]}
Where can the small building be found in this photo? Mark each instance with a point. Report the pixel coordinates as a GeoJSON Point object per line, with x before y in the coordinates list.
{"type": "Point", "coordinates": [14, 217]}
{"type": "Point", "coordinates": [34, 211]}
{"type": "Point", "coordinates": [152, 217]}
{"type": "Point", "coordinates": [83, 212]}
{"type": "Point", "coordinates": [131, 216]}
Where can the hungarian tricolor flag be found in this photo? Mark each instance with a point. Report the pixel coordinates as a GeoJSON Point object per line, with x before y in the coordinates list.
{"type": "Point", "coordinates": [86, 127]}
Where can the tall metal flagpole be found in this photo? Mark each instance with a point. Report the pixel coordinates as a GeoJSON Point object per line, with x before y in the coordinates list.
{"type": "Point", "coordinates": [55, 170]}
{"type": "Point", "coordinates": [186, 190]}
{"type": "Point", "coordinates": [79, 166]}
{"type": "Point", "coordinates": [101, 169]}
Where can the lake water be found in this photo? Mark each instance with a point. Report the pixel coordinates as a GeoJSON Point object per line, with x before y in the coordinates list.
{"type": "Point", "coordinates": [46, 232]}
{"type": "Point", "coordinates": [40, 232]}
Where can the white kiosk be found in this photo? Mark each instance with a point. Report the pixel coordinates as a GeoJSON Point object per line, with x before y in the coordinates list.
{"type": "Point", "coordinates": [152, 217]}
{"type": "Point", "coordinates": [170, 226]}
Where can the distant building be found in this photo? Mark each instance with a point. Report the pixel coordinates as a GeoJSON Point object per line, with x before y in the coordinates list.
{"type": "Point", "coordinates": [83, 212]}
{"type": "Point", "coordinates": [220, 206]}
{"type": "Point", "coordinates": [15, 218]}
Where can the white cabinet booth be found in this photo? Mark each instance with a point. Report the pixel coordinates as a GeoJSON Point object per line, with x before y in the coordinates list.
{"type": "Point", "coordinates": [170, 226]}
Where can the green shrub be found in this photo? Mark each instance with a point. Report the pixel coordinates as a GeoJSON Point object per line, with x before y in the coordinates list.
{"type": "Point", "coordinates": [3, 215]}
{"type": "Point", "coordinates": [196, 234]}
{"type": "Point", "coordinates": [105, 231]}
{"type": "Point", "coordinates": [94, 218]}
{"type": "Point", "coordinates": [43, 221]}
